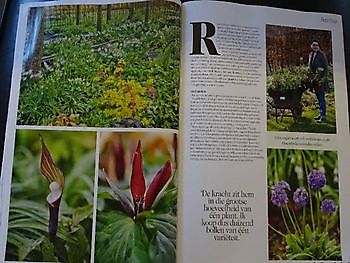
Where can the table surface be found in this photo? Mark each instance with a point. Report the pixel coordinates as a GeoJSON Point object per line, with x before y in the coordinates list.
{"type": "Point", "coordinates": [9, 23]}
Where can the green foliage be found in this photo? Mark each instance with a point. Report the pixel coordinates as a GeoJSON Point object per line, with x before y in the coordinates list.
{"type": "Point", "coordinates": [287, 78]}
{"type": "Point", "coordinates": [28, 239]}
{"type": "Point", "coordinates": [290, 78]}
{"type": "Point", "coordinates": [149, 237]}
{"type": "Point", "coordinates": [66, 89]}
{"type": "Point", "coordinates": [312, 246]}
{"type": "Point", "coordinates": [69, 87]}
{"type": "Point", "coordinates": [123, 99]}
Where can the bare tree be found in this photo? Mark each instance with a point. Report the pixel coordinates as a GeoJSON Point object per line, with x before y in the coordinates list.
{"type": "Point", "coordinates": [34, 48]}
{"type": "Point", "coordinates": [77, 15]}
{"type": "Point", "coordinates": [147, 12]}
{"type": "Point", "coordinates": [99, 18]}
{"type": "Point", "coordinates": [109, 13]}
{"type": "Point", "coordinates": [131, 15]}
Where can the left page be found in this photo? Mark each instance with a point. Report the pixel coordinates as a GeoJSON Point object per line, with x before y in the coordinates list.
{"type": "Point", "coordinates": [89, 167]}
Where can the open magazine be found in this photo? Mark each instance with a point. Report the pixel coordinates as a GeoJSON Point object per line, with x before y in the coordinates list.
{"type": "Point", "coordinates": [167, 132]}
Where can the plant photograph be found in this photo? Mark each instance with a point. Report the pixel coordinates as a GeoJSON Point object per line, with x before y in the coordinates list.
{"type": "Point", "coordinates": [111, 65]}
{"type": "Point", "coordinates": [51, 203]}
{"type": "Point", "coordinates": [137, 198]}
{"type": "Point", "coordinates": [299, 80]}
{"type": "Point", "coordinates": [303, 205]}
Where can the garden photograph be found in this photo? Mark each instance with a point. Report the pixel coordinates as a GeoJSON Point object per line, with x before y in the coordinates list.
{"type": "Point", "coordinates": [111, 65]}
{"type": "Point", "coordinates": [303, 205]}
{"type": "Point", "coordinates": [137, 198]}
{"type": "Point", "coordinates": [51, 202]}
{"type": "Point", "coordinates": [299, 80]}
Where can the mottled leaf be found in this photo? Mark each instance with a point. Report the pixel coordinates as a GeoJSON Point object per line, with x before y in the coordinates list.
{"type": "Point", "coordinates": [120, 239]}
{"type": "Point", "coordinates": [122, 197]}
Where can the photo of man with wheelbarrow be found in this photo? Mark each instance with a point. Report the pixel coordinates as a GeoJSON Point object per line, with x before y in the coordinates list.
{"type": "Point", "coordinates": [300, 91]}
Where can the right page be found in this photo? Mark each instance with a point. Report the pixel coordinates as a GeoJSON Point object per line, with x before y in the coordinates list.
{"type": "Point", "coordinates": [264, 136]}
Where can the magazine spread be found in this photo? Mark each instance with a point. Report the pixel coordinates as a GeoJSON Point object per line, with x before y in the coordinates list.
{"type": "Point", "coordinates": [109, 157]}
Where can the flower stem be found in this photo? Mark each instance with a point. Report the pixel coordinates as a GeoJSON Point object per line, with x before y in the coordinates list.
{"type": "Point", "coordinates": [296, 221]}
{"type": "Point", "coordinates": [291, 220]}
{"type": "Point", "coordinates": [318, 208]}
{"type": "Point", "coordinates": [304, 217]}
{"type": "Point", "coordinates": [309, 189]}
{"type": "Point", "coordinates": [284, 220]}
{"type": "Point", "coordinates": [275, 167]}
{"type": "Point", "coordinates": [327, 224]}
{"type": "Point", "coordinates": [311, 210]}
{"type": "Point", "coordinates": [278, 232]}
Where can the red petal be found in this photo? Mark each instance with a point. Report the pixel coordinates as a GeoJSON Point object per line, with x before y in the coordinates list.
{"type": "Point", "coordinates": [157, 184]}
{"type": "Point", "coordinates": [118, 159]}
{"type": "Point", "coordinates": [175, 146]}
{"type": "Point", "coordinates": [137, 181]}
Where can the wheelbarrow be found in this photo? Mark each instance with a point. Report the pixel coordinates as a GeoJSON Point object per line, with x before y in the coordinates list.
{"type": "Point", "coordinates": [286, 99]}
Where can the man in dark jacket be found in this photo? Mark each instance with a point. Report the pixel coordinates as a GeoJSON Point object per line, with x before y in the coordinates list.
{"type": "Point", "coordinates": [318, 66]}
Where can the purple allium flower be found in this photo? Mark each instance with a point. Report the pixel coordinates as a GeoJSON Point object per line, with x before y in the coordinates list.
{"type": "Point", "coordinates": [328, 206]}
{"type": "Point", "coordinates": [316, 179]}
{"type": "Point", "coordinates": [279, 197]}
{"type": "Point", "coordinates": [282, 185]}
{"type": "Point", "coordinates": [301, 196]}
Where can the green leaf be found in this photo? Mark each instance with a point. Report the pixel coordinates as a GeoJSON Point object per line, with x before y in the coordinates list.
{"type": "Point", "coordinates": [299, 256]}
{"type": "Point", "coordinates": [48, 251]}
{"type": "Point", "coordinates": [163, 245]}
{"type": "Point", "coordinates": [120, 239]}
{"type": "Point", "coordinates": [79, 251]}
{"type": "Point", "coordinates": [308, 235]}
{"type": "Point", "coordinates": [105, 195]}
{"type": "Point", "coordinates": [26, 223]}
{"type": "Point", "coordinates": [292, 244]}
{"type": "Point", "coordinates": [27, 246]}
{"type": "Point", "coordinates": [81, 213]}
{"type": "Point", "coordinates": [163, 223]}
{"type": "Point", "coordinates": [167, 202]}
{"type": "Point", "coordinates": [162, 249]}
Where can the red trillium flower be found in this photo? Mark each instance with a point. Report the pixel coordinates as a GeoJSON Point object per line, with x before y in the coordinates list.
{"type": "Point", "coordinates": [141, 199]}
{"type": "Point", "coordinates": [56, 179]}
{"type": "Point", "coordinates": [144, 200]}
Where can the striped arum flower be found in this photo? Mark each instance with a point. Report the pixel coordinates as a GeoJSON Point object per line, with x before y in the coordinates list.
{"type": "Point", "coordinates": [55, 177]}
